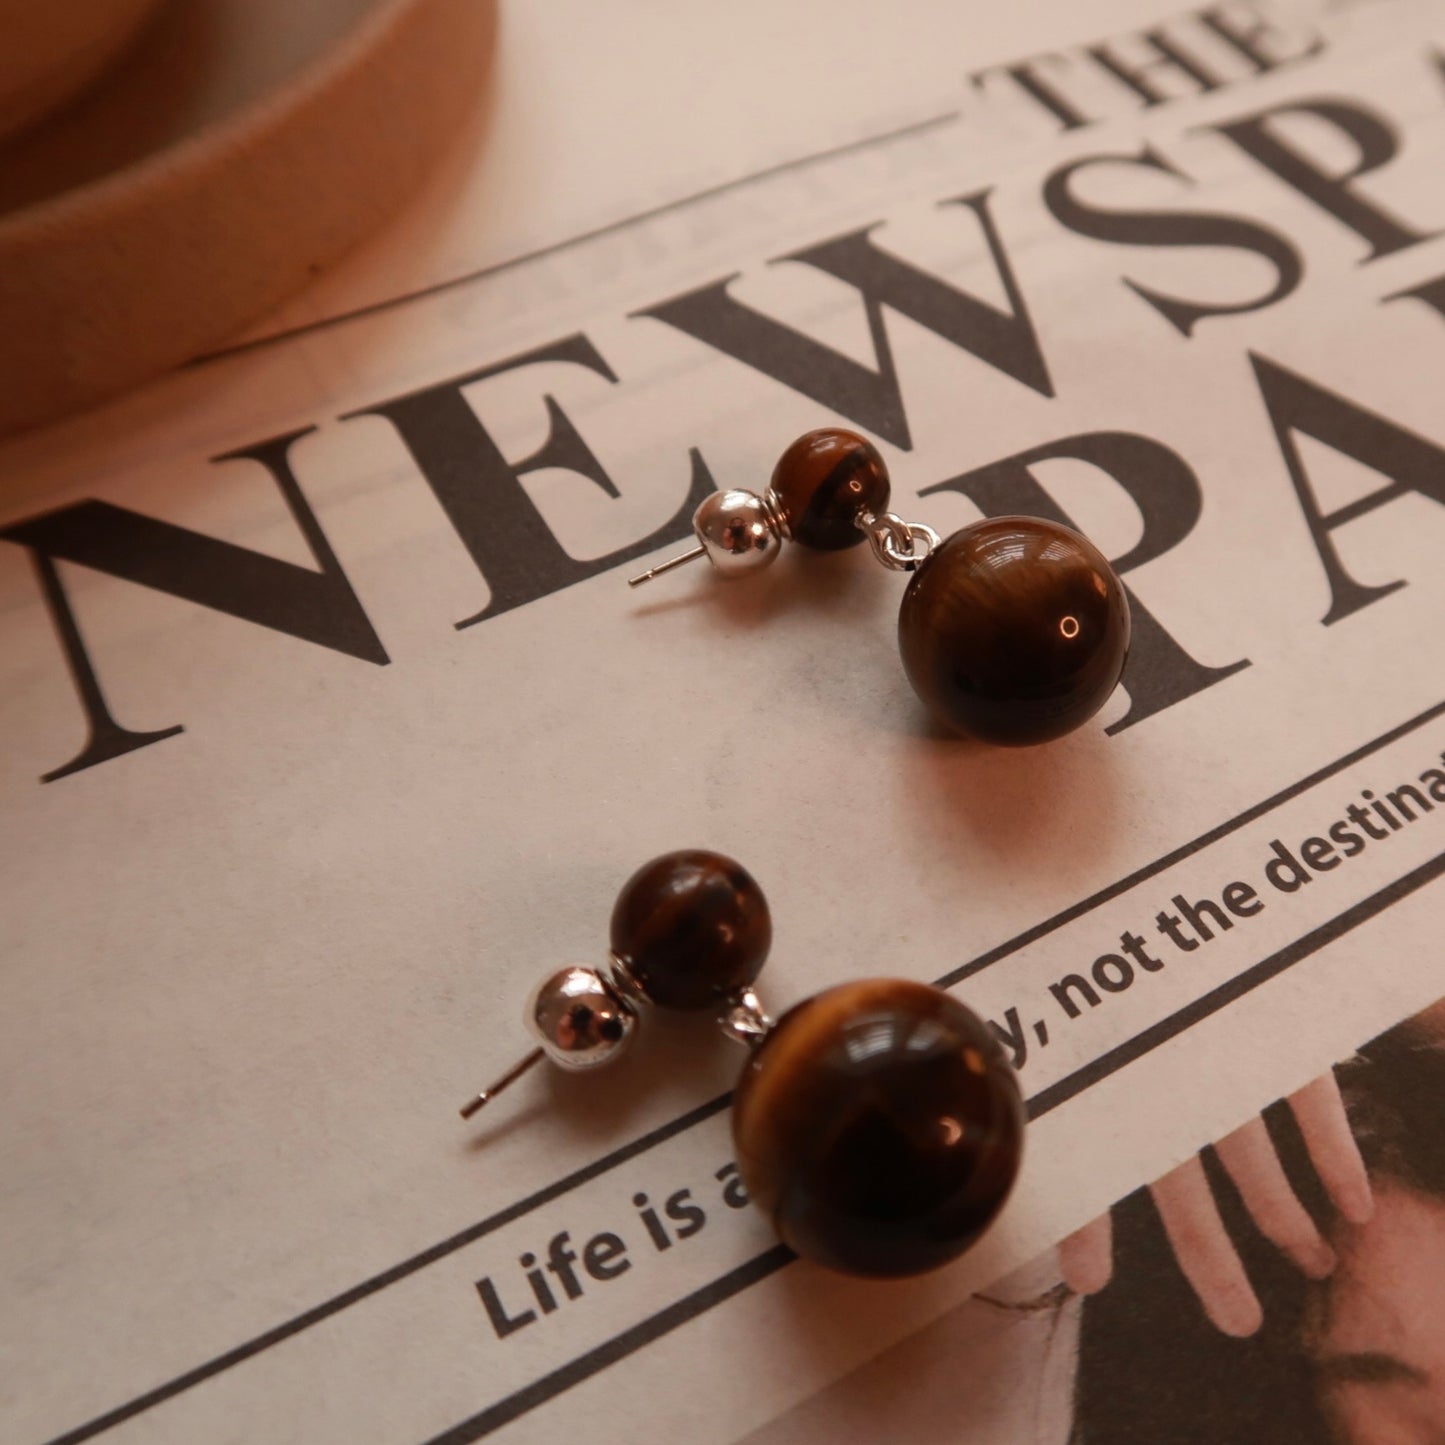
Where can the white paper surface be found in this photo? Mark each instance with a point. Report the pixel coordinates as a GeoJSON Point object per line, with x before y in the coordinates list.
{"type": "Point", "coordinates": [251, 969]}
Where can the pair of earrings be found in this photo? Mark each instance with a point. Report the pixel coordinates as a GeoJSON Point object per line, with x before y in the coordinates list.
{"type": "Point", "coordinates": [877, 1124]}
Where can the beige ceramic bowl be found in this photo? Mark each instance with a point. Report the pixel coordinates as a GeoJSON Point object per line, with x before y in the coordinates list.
{"type": "Point", "coordinates": [240, 146]}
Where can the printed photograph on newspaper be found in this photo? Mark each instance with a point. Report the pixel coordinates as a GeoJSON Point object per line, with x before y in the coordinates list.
{"type": "Point", "coordinates": [1285, 1286]}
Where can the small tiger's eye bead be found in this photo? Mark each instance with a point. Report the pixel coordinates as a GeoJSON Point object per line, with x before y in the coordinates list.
{"type": "Point", "coordinates": [692, 928]}
{"type": "Point", "coordinates": [1014, 631]}
{"type": "Point", "coordinates": [879, 1127]}
{"type": "Point", "coordinates": [825, 480]}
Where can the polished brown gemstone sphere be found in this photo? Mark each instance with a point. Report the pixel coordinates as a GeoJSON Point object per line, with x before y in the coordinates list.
{"type": "Point", "coordinates": [823, 482]}
{"type": "Point", "coordinates": [879, 1127]}
{"type": "Point", "coordinates": [1014, 631]}
{"type": "Point", "coordinates": [692, 928]}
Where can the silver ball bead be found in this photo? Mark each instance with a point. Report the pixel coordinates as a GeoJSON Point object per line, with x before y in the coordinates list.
{"type": "Point", "coordinates": [737, 531]}
{"type": "Point", "coordinates": [578, 1019]}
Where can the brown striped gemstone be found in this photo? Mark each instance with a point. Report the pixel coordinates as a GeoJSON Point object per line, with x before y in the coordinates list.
{"type": "Point", "coordinates": [879, 1127]}
{"type": "Point", "coordinates": [692, 927]}
{"type": "Point", "coordinates": [824, 481]}
{"type": "Point", "coordinates": [1014, 631]}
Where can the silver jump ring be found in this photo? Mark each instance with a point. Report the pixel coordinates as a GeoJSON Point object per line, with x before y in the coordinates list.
{"type": "Point", "coordinates": [746, 1021]}
{"type": "Point", "coordinates": [902, 546]}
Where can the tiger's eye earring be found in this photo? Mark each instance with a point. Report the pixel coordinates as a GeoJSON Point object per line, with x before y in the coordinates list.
{"type": "Point", "coordinates": [1013, 630]}
{"type": "Point", "coordinates": [877, 1124]}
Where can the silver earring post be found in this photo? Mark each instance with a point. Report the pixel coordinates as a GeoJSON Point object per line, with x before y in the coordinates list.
{"type": "Point", "coordinates": [510, 1077]}
{"type": "Point", "coordinates": [667, 566]}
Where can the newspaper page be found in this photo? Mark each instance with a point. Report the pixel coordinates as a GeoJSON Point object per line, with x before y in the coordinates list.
{"type": "Point", "coordinates": [330, 724]}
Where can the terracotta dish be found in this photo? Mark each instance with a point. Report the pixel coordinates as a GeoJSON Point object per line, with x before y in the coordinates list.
{"type": "Point", "coordinates": [238, 147]}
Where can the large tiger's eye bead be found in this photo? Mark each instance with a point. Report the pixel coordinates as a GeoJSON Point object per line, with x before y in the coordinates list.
{"type": "Point", "coordinates": [1014, 631]}
{"type": "Point", "coordinates": [879, 1127]}
{"type": "Point", "coordinates": [692, 928]}
{"type": "Point", "coordinates": [823, 482]}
